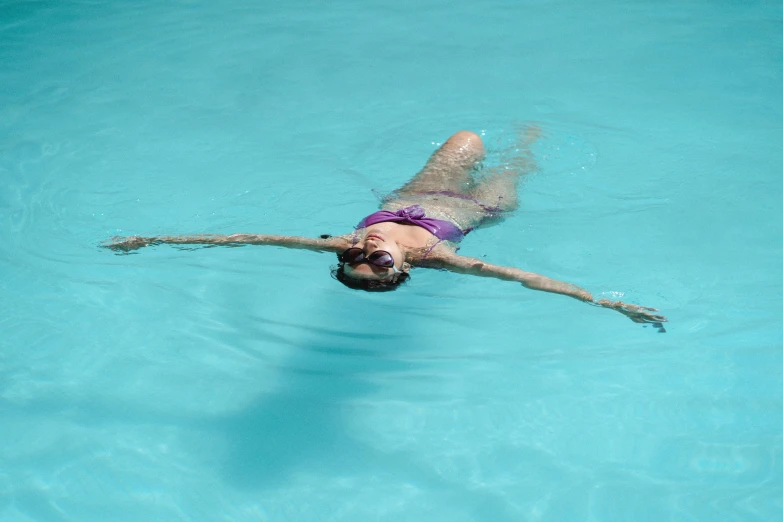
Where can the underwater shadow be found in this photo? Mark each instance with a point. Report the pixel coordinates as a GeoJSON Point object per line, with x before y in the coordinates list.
{"type": "Point", "coordinates": [301, 431]}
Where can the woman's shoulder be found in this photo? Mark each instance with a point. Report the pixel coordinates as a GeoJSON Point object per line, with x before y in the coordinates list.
{"type": "Point", "coordinates": [431, 255]}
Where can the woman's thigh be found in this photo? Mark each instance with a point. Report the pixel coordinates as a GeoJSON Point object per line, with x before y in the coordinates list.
{"type": "Point", "coordinates": [498, 190]}
{"type": "Point", "coordinates": [449, 168]}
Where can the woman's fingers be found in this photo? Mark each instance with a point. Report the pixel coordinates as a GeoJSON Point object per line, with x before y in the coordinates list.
{"type": "Point", "coordinates": [638, 314]}
{"type": "Point", "coordinates": [126, 244]}
{"type": "Point", "coordinates": [651, 318]}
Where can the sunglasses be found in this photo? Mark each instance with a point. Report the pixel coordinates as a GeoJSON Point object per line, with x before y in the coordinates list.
{"type": "Point", "coordinates": [379, 258]}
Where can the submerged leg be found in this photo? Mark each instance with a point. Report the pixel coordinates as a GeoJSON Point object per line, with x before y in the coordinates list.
{"type": "Point", "coordinates": [499, 188]}
{"type": "Point", "coordinates": [449, 168]}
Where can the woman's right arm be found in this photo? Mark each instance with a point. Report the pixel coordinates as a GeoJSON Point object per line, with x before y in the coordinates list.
{"type": "Point", "coordinates": [130, 243]}
{"type": "Point", "coordinates": [467, 265]}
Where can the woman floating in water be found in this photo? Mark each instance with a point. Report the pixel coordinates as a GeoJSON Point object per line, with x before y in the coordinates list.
{"type": "Point", "coordinates": [420, 225]}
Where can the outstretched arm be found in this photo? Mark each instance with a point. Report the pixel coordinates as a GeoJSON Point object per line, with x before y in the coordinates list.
{"type": "Point", "coordinates": [331, 244]}
{"type": "Point", "coordinates": [468, 265]}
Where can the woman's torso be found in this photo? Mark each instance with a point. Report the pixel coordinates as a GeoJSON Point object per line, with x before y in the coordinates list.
{"type": "Point", "coordinates": [464, 212]}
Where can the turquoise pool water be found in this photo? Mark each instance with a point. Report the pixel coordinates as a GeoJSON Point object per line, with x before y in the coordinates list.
{"type": "Point", "coordinates": [245, 384]}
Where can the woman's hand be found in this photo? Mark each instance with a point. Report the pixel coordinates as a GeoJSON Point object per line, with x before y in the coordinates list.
{"type": "Point", "coordinates": [636, 313]}
{"type": "Point", "coordinates": [128, 244]}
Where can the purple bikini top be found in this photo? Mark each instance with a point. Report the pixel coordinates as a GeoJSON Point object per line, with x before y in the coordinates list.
{"type": "Point", "coordinates": [443, 230]}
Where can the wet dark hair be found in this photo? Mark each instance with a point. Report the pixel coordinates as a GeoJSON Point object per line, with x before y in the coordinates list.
{"type": "Point", "coordinates": [368, 285]}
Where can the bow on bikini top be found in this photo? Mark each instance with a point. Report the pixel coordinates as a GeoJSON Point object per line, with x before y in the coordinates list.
{"type": "Point", "coordinates": [414, 215]}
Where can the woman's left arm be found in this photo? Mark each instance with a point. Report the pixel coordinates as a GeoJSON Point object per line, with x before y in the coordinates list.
{"type": "Point", "coordinates": [468, 265]}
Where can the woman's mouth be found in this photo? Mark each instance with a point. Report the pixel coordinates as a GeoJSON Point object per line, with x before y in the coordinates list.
{"type": "Point", "coordinates": [374, 236]}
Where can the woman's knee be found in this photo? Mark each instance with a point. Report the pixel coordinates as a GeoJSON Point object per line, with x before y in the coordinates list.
{"type": "Point", "coordinates": [466, 142]}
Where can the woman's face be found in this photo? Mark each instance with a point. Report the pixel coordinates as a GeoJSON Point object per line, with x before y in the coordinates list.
{"type": "Point", "coordinates": [375, 240]}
